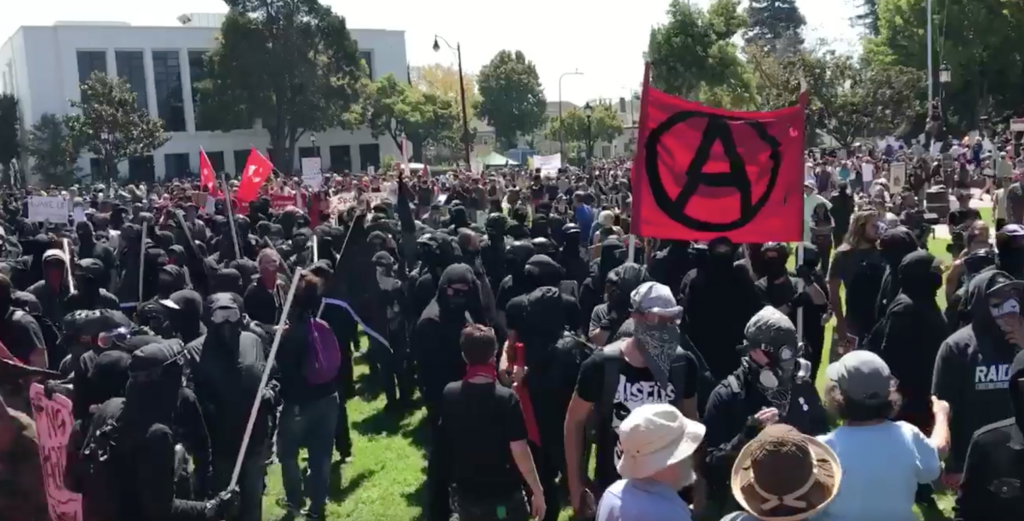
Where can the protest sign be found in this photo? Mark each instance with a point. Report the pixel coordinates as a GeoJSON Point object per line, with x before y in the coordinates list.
{"type": "Point", "coordinates": [1017, 124]}
{"type": "Point", "coordinates": [548, 164]}
{"type": "Point", "coordinates": [280, 201]}
{"type": "Point", "coordinates": [376, 198]}
{"type": "Point", "coordinates": [342, 202]}
{"type": "Point", "coordinates": [53, 209]}
{"type": "Point", "coordinates": [311, 174]}
{"type": "Point", "coordinates": [898, 173]}
{"type": "Point", "coordinates": [53, 428]}
{"type": "Point", "coordinates": [701, 172]}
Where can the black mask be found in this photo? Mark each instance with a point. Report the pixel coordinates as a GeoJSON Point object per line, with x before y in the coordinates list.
{"type": "Point", "coordinates": [458, 301]}
{"type": "Point", "coordinates": [774, 267]}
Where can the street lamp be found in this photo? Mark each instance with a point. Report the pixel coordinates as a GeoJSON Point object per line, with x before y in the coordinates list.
{"type": "Point", "coordinates": [945, 73]}
{"type": "Point", "coordinates": [312, 138]}
{"type": "Point", "coordinates": [561, 125]}
{"type": "Point", "coordinates": [588, 111]}
{"type": "Point", "coordinates": [462, 93]}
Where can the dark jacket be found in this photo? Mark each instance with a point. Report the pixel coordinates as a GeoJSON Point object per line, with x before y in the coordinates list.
{"type": "Point", "coordinates": [993, 476]}
{"type": "Point", "coordinates": [972, 371]}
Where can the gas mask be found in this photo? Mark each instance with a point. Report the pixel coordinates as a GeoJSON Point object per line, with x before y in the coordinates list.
{"type": "Point", "coordinates": [784, 367]}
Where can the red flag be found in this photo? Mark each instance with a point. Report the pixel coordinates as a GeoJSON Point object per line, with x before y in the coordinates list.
{"type": "Point", "coordinates": [257, 170]}
{"type": "Point", "coordinates": [701, 173]}
{"type": "Point", "coordinates": [206, 174]}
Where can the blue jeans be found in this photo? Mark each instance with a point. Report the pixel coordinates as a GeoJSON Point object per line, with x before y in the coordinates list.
{"type": "Point", "coordinates": [310, 426]}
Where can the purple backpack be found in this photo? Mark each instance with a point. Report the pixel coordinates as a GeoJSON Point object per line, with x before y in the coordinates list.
{"type": "Point", "coordinates": [324, 356]}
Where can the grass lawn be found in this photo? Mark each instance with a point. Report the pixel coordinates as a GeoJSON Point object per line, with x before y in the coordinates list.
{"type": "Point", "coordinates": [384, 480]}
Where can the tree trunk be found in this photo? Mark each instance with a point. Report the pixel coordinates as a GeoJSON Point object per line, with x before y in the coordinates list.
{"type": "Point", "coordinates": [417, 151]}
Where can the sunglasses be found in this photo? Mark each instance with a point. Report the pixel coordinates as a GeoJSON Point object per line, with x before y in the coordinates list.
{"type": "Point", "coordinates": [108, 338]}
{"type": "Point", "coordinates": [222, 315]}
{"type": "Point", "coordinates": [1010, 306]}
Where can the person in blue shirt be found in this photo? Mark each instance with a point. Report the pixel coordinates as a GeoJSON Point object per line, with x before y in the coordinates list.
{"type": "Point", "coordinates": [584, 215]}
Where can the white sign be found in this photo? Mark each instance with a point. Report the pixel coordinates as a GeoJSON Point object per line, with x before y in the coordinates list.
{"type": "Point", "coordinates": [867, 171]}
{"type": "Point", "coordinates": [548, 164]}
{"type": "Point", "coordinates": [310, 165]}
{"type": "Point", "coordinates": [898, 172]}
{"type": "Point", "coordinates": [78, 213]}
{"type": "Point", "coordinates": [375, 198]}
{"type": "Point", "coordinates": [342, 202]}
{"type": "Point", "coordinates": [1017, 124]}
{"type": "Point", "coordinates": [53, 209]}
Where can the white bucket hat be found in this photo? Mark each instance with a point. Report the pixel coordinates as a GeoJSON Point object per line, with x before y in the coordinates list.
{"type": "Point", "coordinates": [655, 436]}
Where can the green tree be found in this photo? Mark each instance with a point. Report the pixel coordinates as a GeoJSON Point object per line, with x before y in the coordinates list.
{"type": "Point", "coordinates": [10, 145]}
{"type": "Point", "coordinates": [868, 17]}
{"type": "Point", "coordinates": [604, 126]}
{"type": "Point", "coordinates": [396, 109]}
{"type": "Point", "coordinates": [693, 55]}
{"type": "Point", "coordinates": [111, 125]}
{"type": "Point", "coordinates": [775, 25]}
{"type": "Point", "coordinates": [444, 80]}
{"type": "Point", "coordinates": [54, 151]}
{"type": "Point", "coordinates": [988, 77]}
{"type": "Point", "coordinates": [291, 64]}
{"type": "Point", "coordinates": [511, 97]}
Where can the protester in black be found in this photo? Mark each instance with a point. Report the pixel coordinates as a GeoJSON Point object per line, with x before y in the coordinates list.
{"type": "Point", "coordinates": [19, 332]}
{"type": "Point", "coordinates": [671, 263]}
{"type": "Point", "coordinates": [1010, 248]}
{"type": "Point", "coordinates": [650, 367]}
{"type": "Point", "coordinates": [772, 384]}
{"type": "Point", "coordinates": [225, 368]}
{"type": "Point", "coordinates": [894, 245]}
{"type": "Point", "coordinates": [993, 472]}
{"type": "Point", "coordinates": [482, 448]}
{"type": "Point", "coordinates": [88, 293]}
{"type": "Point", "coordinates": [857, 266]}
{"type": "Point", "coordinates": [609, 319]}
{"type": "Point", "coordinates": [719, 299]}
{"type": "Point", "coordinates": [972, 369]}
{"type": "Point", "coordinates": [592, 293]}
{"type": "Point", "coordinates": [126, 468]}
{"type": "Point", "coordinates": [569, 258]}
{"type": "Point", "coordinates": [436, 336]}
{"type": "Point", "coordinates": [53, 288]}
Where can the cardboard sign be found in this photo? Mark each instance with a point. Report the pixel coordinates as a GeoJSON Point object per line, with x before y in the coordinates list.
{"type": "Point", "coordinates": [282, 201]}
{"type": "Point", "coordinates": [947, 161]}
{"type": "Point", "coordinates": [311, 172]}
{"type": "Point", "coordinates": [53, 209]}
{"type": "Point", "coordinates": [53, 428]}
{"type": "Point", "coordinates": [898, 172]}
{"type": "Point", "coordinates": [548, 164]}
{"type": "Point", "coordinates": [1017, 124]}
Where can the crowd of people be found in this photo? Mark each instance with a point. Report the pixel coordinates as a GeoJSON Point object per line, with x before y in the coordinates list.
{"type": "Point", "coordinates": [561, 361]}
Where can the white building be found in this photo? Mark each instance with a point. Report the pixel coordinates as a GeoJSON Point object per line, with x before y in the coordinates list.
{"type": "Point", "coordinates": [43, 67]}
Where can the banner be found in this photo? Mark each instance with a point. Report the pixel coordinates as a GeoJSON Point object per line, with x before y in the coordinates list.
{"type": "Point", "coordinates": [53, 428]}
{"type": "Point", "coordinates": [898, 173]}
{"type": "Point", "coordinates": [701, 173]}
{"type": "Point", "coordinates": [279, 201]}
{"type": "Point", "coordinates": [376, 198]}
{"type": "Point", "coordinates": [207, 177]}
{"type": "Point", "coordinates": [548, 164]}
{"type": "Point", "coordinates": [342, 202]}
{"type": "Point", "coordinates": [53, 209]}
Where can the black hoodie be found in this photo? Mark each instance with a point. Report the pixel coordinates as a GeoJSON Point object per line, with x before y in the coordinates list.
{"type": "Point", "coordinates": [895, 245]}
{"type": "Point", "coordinates": [911, 333]}
{"type": "Point", "coordinates": [592, 292]}
{"type": "Point", "coordinates": [991, 486]}
{"type": "Point", "coordinates": [436, 340]}
{"type": "Point", "coordinates": [972, 372]}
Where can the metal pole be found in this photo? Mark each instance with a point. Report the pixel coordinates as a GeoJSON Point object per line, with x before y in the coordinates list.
{"type": "Point", "coordinates": [931, 92]}
{"type": "Point", "coordinates": [561, 137]}
{"type": "Point", "coordinates": [465, 120]}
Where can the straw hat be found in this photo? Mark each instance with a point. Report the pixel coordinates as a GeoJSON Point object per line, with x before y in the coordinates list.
{"type": "Point", "coordinates": [655, 436]}
{"type": "Point", "coordinates": [782, 475]}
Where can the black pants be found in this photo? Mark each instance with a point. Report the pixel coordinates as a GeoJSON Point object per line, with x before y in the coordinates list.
{"type": "Point", "coordinates": [547, 472]}
{"type": "Point", "coordinates": [512, 508]}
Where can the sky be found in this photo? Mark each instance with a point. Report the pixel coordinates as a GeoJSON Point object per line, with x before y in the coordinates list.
{"type": "Point", "coordinates": [602, 39]}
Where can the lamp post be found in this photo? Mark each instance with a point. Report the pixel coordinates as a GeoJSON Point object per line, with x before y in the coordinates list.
{"type": "Point", "coordinates": [462, 94]}
{"type": "Point", "coordinates": [945, 76]}
{"type": "Point", "coordinates": [561, 125]}
{"type": "Point", "coordinates": [588, 111]}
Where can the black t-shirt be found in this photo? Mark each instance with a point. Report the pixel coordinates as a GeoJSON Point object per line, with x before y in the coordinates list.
{"type": "Point", "coordinates": [478, 422]}
{"type": "Point", "coordinates": [637, 386]}
{"type": "Point", "coordinates": [22, 336]}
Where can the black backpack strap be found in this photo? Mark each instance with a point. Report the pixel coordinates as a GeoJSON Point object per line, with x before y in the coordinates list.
{"type": "Point", "coordinates": [677, 374]}
{"type": "Point", "coordinates": [733, 383]}
{"type": "Point", "coordinates": [612, 363]}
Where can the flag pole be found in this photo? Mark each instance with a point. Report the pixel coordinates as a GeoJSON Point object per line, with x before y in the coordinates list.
{"type": "Point", "coordinates": [231, 219]}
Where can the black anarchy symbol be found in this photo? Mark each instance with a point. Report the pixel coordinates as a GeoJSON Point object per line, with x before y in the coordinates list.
{"type": "Point", "coordinates": [717, 129]}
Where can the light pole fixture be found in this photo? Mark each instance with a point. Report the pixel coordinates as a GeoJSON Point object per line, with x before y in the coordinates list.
{"type": "Point", "coordinates": [462, 94]}
{"type": "Point", "coordinates": [312, 138]}
{"type": "Point", "coordinates": [945, 73]}
{"type": "Point", "coordinates": [561, 126]}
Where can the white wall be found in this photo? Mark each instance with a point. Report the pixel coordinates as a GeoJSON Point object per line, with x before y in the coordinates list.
{"type": "Point", "coordinates": [44, 66]}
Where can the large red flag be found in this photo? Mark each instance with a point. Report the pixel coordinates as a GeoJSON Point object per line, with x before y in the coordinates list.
{"type": "Point", "coordinates": [207, 177]}
{"type": "Point", "coordinates": [257, 170]}
{"type": "Point", "coordinates": [701, 173]}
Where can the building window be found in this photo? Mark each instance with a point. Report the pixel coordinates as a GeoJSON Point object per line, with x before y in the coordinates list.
{"type": "Point", "coordinates": [176, 166]}
{"type": "Point", "coordinates": [88, 63]}
{"type": "Point", "coordinates": [241, 156]}
{"type": "Point", "coordinates": [96, 168]}
{"type": "Point", "coordinates": [369, 155]}
{"type": "Point", "coordinates": [367, 56]}
{"type": "Point", "coordinates": [141, 168]}
{"type": "Point", "coordinates": [341, 158]}
{"type": "Point", "coordinates": [216, 161]}
{"type": "Point", "coordinates": [130, 67]}
{"type": "Point", "coordinates": [606, 151]}
{"type": "Point", "coordinates": [309, 151]}
{"type": "Point", "coordinates": [167, 79]}
{"type": "Point", "coordinates": [197, 70]}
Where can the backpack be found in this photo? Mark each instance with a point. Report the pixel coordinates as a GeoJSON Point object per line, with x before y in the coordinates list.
{"type": "Point", "coordinates": [324, 356]}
